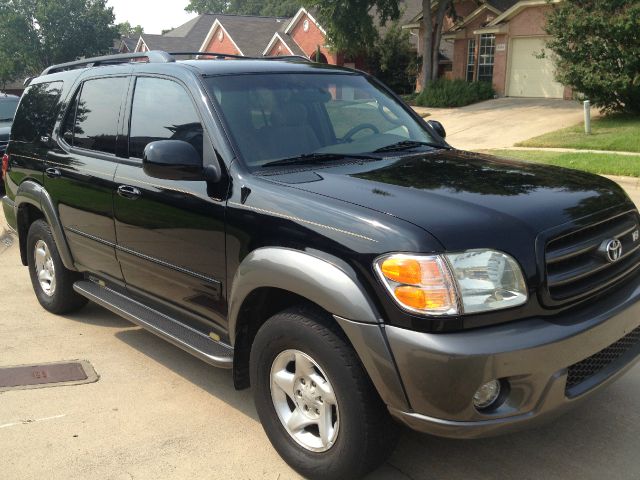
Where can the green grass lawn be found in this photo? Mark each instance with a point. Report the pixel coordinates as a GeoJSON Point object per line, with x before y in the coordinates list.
{"type": "Point", "coordinates": [605, 164]}
{"type": "Point", "coordinates": [616, 132]}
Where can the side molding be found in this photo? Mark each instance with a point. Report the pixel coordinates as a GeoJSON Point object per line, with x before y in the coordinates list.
{"type": "Point", "coordinates": [303, 274]}
{"type": "Point", "coordinates": [33, 193]}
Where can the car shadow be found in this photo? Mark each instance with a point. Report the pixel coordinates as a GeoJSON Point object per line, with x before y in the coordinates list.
{"type": "Point", "coordinates": [598, 439]}
{"type": "Point", "coordinates": [94, 314]}
{"type": "Point", "coordinates": [216, 381]}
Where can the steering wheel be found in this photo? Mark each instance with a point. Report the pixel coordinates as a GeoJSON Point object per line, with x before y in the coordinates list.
{"type": "Point", "coordinates": [364, 126]}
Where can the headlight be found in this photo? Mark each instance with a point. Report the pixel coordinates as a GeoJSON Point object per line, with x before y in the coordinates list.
{"type": "Point", "coordinates": [470, 282]}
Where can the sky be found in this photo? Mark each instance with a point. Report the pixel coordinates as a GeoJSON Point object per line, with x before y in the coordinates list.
{"type": "Point", "coordinates": [153, 15]}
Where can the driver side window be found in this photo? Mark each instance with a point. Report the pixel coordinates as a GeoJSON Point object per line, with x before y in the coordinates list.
{"type": "Point", "coordinates": [162, 110]}
{"type": "Point", "coordinates": [351, 106]}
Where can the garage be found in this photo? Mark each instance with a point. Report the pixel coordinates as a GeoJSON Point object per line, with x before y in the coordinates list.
{"type": "Point", "coordinates": [530, 76]}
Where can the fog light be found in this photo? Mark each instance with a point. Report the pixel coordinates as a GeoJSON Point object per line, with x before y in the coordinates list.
{"type": "Point", "coordinates": [487, 394]}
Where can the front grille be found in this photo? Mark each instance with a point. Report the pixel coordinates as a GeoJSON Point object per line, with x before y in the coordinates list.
{"type": "Point", "coordinates": [587, 368]}
{"type": "Point", "coordinates": [577, 264]}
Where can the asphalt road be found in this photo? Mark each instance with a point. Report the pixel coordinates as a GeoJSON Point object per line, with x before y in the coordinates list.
{"type": "Point", "coordinates": [158, 413]}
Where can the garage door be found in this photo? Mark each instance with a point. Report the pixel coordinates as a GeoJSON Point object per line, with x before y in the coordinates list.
{"type": "Point", "coordinates": [530, 76]}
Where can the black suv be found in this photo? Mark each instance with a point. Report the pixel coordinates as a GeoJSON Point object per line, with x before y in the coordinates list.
{"type": "Point", "coordinates": [298, 223]}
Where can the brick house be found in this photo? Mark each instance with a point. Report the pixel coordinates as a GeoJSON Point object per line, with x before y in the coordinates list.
{"type": "Point", "coordinates": [256, 36]}
{"type": "Point", "coordinates": [500, 41]}
{"type": "Point", "coordinates": [247, 35]}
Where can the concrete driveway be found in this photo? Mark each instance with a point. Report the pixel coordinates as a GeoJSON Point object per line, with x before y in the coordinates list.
{"type": "Point", "coordinates": [158, 413]}
{"type": "Point", "coordinates": [502, 122]}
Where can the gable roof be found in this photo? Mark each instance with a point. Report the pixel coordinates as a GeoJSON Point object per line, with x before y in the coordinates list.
{"type": "Point", "coordinates": [250, 33]}
{"type": "Point", "coordinates": [298, 16]}
{"type": "Point", "coordinates": [163, 42]}
{"type": "Point", "coordinates": [517, 7]}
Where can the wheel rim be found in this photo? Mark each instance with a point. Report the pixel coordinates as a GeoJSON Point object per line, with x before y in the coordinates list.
{"type": "Point", "coordinates": [45, 269]}
{"type": "Point", "coordinates": [304, 400]}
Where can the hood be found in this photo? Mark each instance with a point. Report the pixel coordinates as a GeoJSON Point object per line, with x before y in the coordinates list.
{"type": "Point", "coordinates": [467, 200]}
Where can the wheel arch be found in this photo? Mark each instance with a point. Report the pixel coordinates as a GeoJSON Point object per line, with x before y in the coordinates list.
{"type": "Point", "coordinates": [272, 279]}
{"type": "Point", "coordinates": [33, 202]}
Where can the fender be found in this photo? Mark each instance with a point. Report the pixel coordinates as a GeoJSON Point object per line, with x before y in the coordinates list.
{"type": "Point", "coordinates": [306, 275]}
{"type": "Point", "coordinates": [334, 290]}
{"type": "Point", "coordinates": [32, 193]}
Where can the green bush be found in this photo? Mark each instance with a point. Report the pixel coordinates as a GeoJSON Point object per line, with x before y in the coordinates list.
{"type": "Point", "coordinates": [454, 93]}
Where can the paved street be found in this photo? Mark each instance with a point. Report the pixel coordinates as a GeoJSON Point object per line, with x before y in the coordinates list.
{"type": "Point", "coordinates": [158, 413]}
{"type": "Point", "coordinates": [502, 122]}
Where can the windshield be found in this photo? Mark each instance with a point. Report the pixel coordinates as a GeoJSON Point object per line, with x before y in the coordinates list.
{"type": "Point", "coordinates": [312, 117]}
{"type": "Point", "coordinates": [7, 108]}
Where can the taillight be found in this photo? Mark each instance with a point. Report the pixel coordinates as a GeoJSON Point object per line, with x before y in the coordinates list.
{"type": "Point", "coordinates": [5, 165]}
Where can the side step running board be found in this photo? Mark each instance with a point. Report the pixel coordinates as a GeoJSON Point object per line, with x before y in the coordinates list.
{"type": "Point", "coordinates": [196, 343]}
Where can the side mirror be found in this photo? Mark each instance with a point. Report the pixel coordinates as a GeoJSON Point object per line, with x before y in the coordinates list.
{"type": "Point", "coordinates": [437, 126]}
{"type": "Point", "coordinates": [176, 160]}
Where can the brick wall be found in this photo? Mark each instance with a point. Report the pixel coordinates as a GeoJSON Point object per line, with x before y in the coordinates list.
{"type": "Point", "coordinates": [221, 46]}
{"type": "Point", "coordinates": [309, 40]}
{"type": "Point", "coordinates": [278, 48]}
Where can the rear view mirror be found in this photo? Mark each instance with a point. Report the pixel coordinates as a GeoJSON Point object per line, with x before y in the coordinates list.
{"type": "Point", "coordinates": [172, 160]}
{"type": "Point", "coordinates": [437, 126]}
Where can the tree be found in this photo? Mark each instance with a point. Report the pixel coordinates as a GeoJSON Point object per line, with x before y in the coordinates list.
{"type": "Point", "coordinates": [351, 26]}
{"type": "Point", "coordinates": [38, 33]}
{"type": "Point", "coordinates": [393, 61]}
{"type": "Point", "coordinates": [596, 44]}
{"type": "Point", "coordinates": [277, 8]}
{"type": "Point", "coordinates": [126, 30]}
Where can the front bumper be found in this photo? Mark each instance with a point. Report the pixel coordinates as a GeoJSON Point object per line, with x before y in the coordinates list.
{"type": "Point", "coordinates": [441, 372]}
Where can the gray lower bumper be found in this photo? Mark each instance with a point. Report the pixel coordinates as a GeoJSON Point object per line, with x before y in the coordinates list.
{"type": "Point", "coordinates": [441, 372]}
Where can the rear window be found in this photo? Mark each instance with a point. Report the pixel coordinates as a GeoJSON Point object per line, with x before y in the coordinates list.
{"type": "Point", "coordinates": [37, 112]}
{"type": "Point", "coordinates": [92, 122]}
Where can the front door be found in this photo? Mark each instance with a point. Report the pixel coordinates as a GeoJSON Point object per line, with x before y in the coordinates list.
{"type": "Point", "coordinates": [79, 173]}
{"type": "Point", "coordinates": [171, 242]}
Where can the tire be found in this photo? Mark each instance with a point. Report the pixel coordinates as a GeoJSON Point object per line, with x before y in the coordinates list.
{"type": "Point", "coordinates": [365, 434]}
{"type": "Point", "coordinates": [54, 289]}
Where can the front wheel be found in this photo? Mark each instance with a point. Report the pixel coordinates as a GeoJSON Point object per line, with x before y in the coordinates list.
{"type": "Point", "coordinates": [314, 399]}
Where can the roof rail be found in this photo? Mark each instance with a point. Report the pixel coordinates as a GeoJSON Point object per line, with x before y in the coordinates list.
{"type": "Point", "coordinates": [153, 56]}
{"type": "Point", "coordinates": [222, 56]}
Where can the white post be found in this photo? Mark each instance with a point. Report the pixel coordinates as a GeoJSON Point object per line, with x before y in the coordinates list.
{"type": "Point", "coordinates": [587, 117]}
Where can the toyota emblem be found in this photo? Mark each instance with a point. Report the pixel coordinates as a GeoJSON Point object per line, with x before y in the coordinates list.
{"type": "Point", "coordinates": [613, 250]}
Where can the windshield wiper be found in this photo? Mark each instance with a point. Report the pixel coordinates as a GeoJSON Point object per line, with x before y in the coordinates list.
{"type": "Point", "coordinates": [314, 158]}
{"type": "Point", "coordinates": [406, 145]}
{"type": "Point", "coordinates": [6, 119]}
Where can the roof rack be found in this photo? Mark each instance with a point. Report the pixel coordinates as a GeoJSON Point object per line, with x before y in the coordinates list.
{"type": "Point", "coordinates": [222, 56]}
{"type": "Point", "coordinates": [153, 56]}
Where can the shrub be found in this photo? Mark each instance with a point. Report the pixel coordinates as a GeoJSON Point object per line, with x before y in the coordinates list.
{"type": "Point", "coordinates": [596, 46]}
{"type": "Point", "coordinates": [454, 93]}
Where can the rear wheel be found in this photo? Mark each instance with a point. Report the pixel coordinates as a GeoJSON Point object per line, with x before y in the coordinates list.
{"type": "Point", "coordinates": [315, 400]}
{"type": "Point", "coordinates": [52, 282]}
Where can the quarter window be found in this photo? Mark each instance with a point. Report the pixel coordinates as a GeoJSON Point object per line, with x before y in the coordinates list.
{"type": "Point", "coordinates": [37, 113]}
{"type": "Point", "coordinates": [95, 115]}
{"type": "Point", "coordinates": [162, 110]}
{"type": "Point", "coordinates": [471, 59]}
{"type": "Point", "coordinates": [485, 57]}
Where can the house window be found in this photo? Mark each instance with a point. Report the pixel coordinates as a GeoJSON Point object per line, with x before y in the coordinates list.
{"type": "Point", "coordinates": [485, 57]}
{"type": "Point", "coordinates": [471, 59]}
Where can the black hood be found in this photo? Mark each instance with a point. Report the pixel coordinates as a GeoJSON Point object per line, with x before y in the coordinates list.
{"type": "Point", "coordinates": [467, 200]}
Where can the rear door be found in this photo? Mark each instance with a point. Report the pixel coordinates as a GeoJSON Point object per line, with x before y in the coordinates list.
{"type": "Point", "coordinates": [79, 173]}
{"type": "Point", "coordinates": [171, 235]}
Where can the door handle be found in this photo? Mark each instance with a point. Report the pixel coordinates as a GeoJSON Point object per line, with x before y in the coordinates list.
{"type": "Point", "coordinates": [53, 173]}
{"type": "Point", "coordinates": [129, 192]}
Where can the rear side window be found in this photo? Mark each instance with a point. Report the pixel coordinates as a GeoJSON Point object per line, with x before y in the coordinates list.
{"type": "Point", "coordinates": [162, 110]}
{"type": "Point", "coordinates": [92, 122]}
{"type": "Point", "coordinates": [37, 112]}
